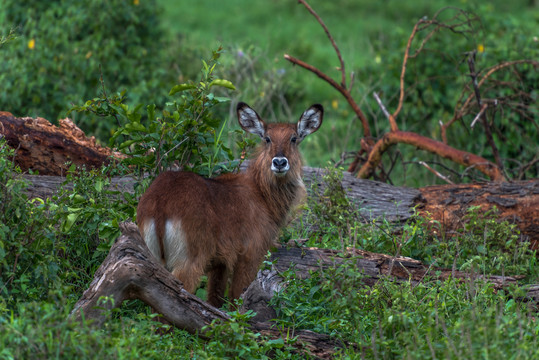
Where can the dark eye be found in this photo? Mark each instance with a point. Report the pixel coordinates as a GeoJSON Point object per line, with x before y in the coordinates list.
{"type": "Point", "coordinates": [267, 140]}
{"type": "Point", "coordinates": [294, 139]}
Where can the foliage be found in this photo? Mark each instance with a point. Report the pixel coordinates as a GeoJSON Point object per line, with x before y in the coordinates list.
{"type": "Point", "coordinates": [233, 340]}
{"type": "Point", "coordinates": [448, 320]}
{"type": "Point", "coordinates": [184, 134]}
{"type": "Point", "coordinates": [64, 47]}
{"type": "Point", "coordinates": [52, 244]}
{"type": "Point", "coordinates": [43, 331]}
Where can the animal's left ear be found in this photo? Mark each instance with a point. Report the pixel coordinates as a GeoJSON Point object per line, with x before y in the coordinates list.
{"type": "Point", "coordinates": [310, 121]}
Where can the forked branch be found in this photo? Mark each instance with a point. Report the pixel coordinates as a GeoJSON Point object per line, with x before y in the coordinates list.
{"type": "Point", "coordinates": [343, 90]}
{"type": "Point", "coordinates": [375, 151]}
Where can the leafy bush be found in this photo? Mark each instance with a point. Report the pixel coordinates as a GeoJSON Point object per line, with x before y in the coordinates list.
{"type": "Point", "coordinates": [28, 262]}
{"type": "Point", "coordinates": [52, 244]}
{"type": "Point", "coordinates": [185, 133]}
{"type": "Point", "coordinates": [64, 47]}
{"type": "Point", "coordinates": [44, 331]}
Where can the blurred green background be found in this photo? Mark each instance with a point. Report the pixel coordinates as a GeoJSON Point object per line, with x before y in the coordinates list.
{"type": "Point", "coordinates": [65, 50]}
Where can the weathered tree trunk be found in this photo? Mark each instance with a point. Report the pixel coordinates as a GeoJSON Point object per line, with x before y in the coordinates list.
{"type": "Point", "coordinates": [372, 265]}
{"type": "Point", "coordinates": [49, 149]}
{"type": "Point", "coordinates": [517, 202]}
{"type": "Point", "coordinates": [131, 272]}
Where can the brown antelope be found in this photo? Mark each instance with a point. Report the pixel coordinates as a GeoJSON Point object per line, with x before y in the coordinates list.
{"type": "Point", "coordinates": [224, 226]}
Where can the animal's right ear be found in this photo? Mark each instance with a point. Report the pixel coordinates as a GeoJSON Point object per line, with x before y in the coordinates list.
{"type": "Point", "coordinates": [310, 121]}
{"type": "Point", "coordinates": [250, 121]}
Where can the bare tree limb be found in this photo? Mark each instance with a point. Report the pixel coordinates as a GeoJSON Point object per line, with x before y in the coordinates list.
{"type": "Point", "coordinates": [339, 88]}
{"type": "Point", "coordinates": [333, 43]}
{"type": "Point", "coordinates": [483, 117]}
{"type": "Point", "coordinates": [431, 145]}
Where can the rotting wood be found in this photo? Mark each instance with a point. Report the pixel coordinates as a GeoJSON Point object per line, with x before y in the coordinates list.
{"type": "Point", "coordinates": [50, 149]}
{"type": "Point", "coordinates": [516, 202]}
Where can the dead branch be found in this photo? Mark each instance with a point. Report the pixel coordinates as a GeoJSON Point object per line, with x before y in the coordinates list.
{"type": "Point", "coordinates": [434, 146]}
{"type": "Point", "coordinates": [395, 136]}
{"type": "Point", "coordinates": [483, 116]}
{"type": "Point", "coordinates": [330, 37]}
{"type": "Point", "coordinates": [345, 92]}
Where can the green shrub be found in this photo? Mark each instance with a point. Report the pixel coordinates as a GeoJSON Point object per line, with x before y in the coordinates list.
{"type": "Point", "coordinates": [58, 243]}
{"type": "Point", "coordinates": [63, 48]}
{"type": "Point", "coordinates": [185, 133]}
{"type": "Point", "coordinates": [43, 330]}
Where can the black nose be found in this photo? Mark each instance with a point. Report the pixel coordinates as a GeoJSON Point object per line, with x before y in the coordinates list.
{"type": "Point", "coordinates": [280, 162]}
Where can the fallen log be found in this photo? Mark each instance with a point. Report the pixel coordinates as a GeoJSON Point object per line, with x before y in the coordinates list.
{"type": "Point", "coordinates": [49, 149]}
{"type": "Point", "coordinates": [516, 202]}
{"type": "Point", "coordinates": [46, 148]}
{"type": "Point", "coordinates": [373, 266]}
{"type": "Point", "coordinates": [131, 272]}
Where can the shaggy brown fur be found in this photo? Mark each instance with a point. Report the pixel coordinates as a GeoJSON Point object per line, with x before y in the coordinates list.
{"type": "Point", "coordinates": [224, 226]}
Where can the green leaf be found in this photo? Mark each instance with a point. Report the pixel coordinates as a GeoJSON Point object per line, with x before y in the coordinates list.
{"type": "Point", "coordinates": [135, 126]}
{"type": "Point", "coordinates": [69, 221]}
{"type": "Point", "coordinates": [126, 144]}
{"type": "Point", "coordinates": [151, 112]}
{"type": "Point", "coordinates": [181, 87]}
{"type": "Point", "coordinates": [224, 83]}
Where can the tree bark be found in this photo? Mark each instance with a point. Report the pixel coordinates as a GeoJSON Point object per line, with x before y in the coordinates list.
{"type": "Point", "coordinates": [49, 149]}
{"type": "Point", "coordinates": [517, 202]}
{"type": "Point", "coordinates": [373, 265]}
{"type": "Point", "coordinates": [131, 272]}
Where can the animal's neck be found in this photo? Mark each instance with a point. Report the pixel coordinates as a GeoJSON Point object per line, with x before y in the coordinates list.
{"type": "Point", "coordinates": [279, 194]}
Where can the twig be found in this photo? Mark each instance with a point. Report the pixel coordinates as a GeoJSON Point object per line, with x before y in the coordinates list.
{"type": "Point", "coordinates": [478, 117]}
{"type": "Point", "coordinates": [483, 117]}
{"type": "Point", "coordinates": [438, 174]}
{"type": "Point", "coordinates": [390, 117]}
{"type": "Point", "coordinates": [337, 51]}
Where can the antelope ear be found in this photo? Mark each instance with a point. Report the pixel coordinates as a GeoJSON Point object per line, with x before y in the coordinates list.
{"type": "Point", "coordinates": [250, 121]}
{"type": "Point", "coordinates": [310, 121]}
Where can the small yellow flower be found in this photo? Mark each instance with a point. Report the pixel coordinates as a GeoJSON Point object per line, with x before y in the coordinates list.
{"type": "Point", "coordinates": [335, 104]}
{"type": "Point", "coordinates": [480, 48]}
{"type": "Point", "coordinates": [31, 44]}
{"type": "Point", "coordinates": [88, 55]}
{"type": "Point", "coordinates": [136, 2]}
